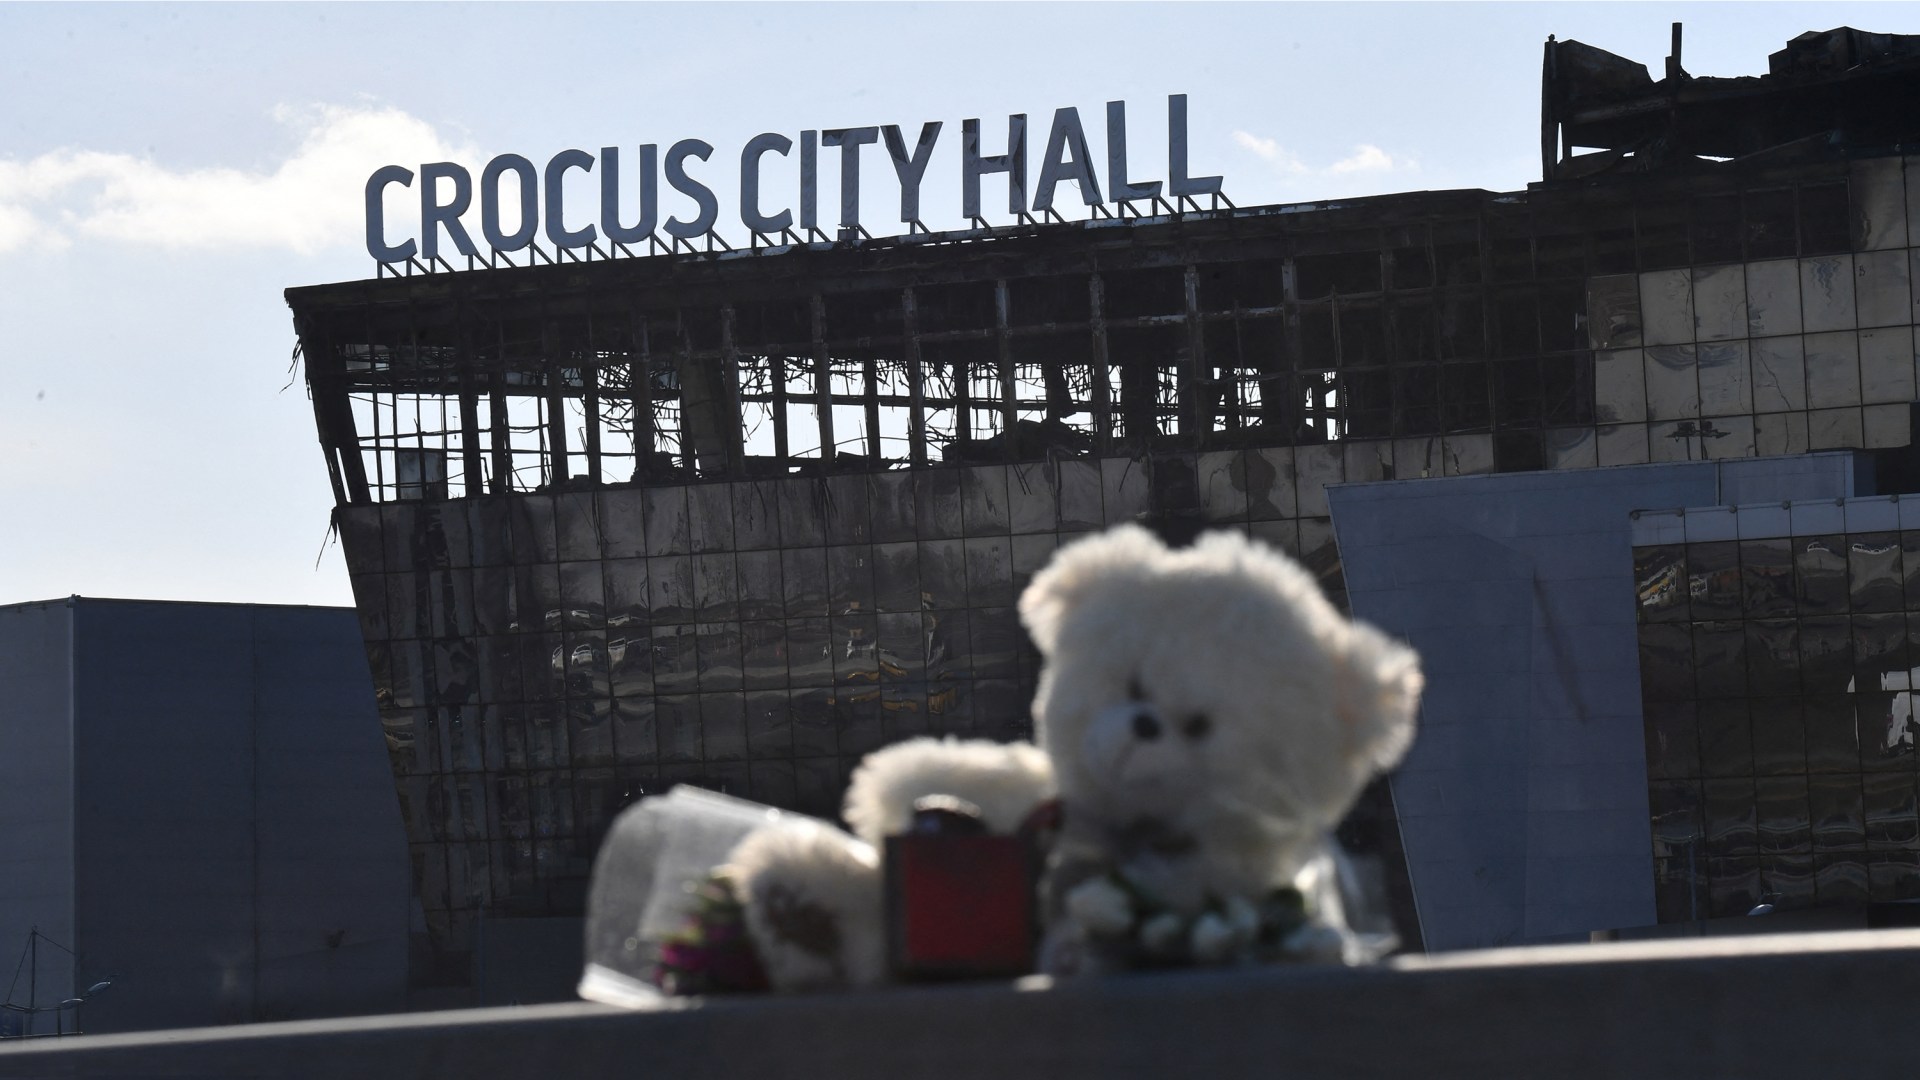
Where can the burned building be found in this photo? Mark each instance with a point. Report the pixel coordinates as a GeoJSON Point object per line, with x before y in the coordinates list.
{"type": "Point", "coordinates": [736, 518]}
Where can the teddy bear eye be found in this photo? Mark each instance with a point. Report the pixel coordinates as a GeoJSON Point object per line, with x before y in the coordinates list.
{"type": "Point", "coordinates": [1197, 726]}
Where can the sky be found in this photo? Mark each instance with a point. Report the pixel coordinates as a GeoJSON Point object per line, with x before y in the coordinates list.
{"type": "Point", "coordinates": [166, 171]}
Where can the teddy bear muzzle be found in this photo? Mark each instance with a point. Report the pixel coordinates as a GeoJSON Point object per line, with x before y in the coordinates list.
{"type": "Point", "coordinates": [1135, 748]}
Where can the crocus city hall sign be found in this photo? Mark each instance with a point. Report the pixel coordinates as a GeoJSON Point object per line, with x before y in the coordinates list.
{"type": "Point", "coordinates": [447, 190]}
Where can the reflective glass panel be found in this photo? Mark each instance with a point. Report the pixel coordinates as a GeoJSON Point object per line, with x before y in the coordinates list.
{"type": "Point", "coordinates": [1734, 886]}
{"type": "Point", "coordinates": [773, 782]}
{"type": "Point", "coordinates": [756, 515]}
{"type": "Point", "coordinates": [1661, 576]}
{"type": "Point", "coordinates": [666, 521]}
{"type": "Point", "coordinates": [590, 732]}
{"type": "Point", "coordinates": [855, 646]}
{"type": "Point", "coordinates": [1889, 804]}
{"type": "Point", "coordinates": [1788, 880]}
{"type": "Point", "coordinates": [769, 729]}
{"type": "Point", "coordinates": [678, 724]}
{"type": "Point", "coordinates": [582, 596]}
{"type": "Point", "coordinates": [761, 586]}
{"type": "Point", "coordinates": [857, 724]}
{"type": "Point", "coordinates": [1666, 662]}
{"type": "Point", "coordinates": [546, 735]}
{"type": "Point", "coordinates": [1784, 824]}
{"type": "Point", "coordinates": [1826, 655]}
{"type": "Point", "coordinates": [1773, 656]}
{"type": "Point", "coordinates": [850, 579]}
{"type": "Point", "coordinates": [723, 726]}
{"type": "Point", "coordinates": [802, 513]}
{"type": "Point", "coordinates": [1679, 888]}
{"type": "Point", "coordinates": [1894, 877]}
{"type": "Point", "coordinates": [577, 526]}
{"type": "Point", "coordinates": [1719, 659]}
{"type": "Point", "coordinates": [1840, 879]}
{"type": "Point", "coordinates": [716, 593]}
{"type": "Point", "coordinates": [671, 580]}
{"type": "Point", "coordinates": [635, 734]}
{"type": "Point", "coordinates": [718, 649]}
{"type": "Point", "coordinates": [809, 653]}
{"type": "Point", "coordinates": [891, 506]}
{"type": "Point", "coordinates": [1767, 577]}
{"type": "Point", "coordinates": [937, 502]}
{"type": "Point", "coordinates": [984, 500]}
{"type": "Point", "coordinates": [1874, 572]}
{"type": "Point", "coordinates": [810, 715]}
{"type": "Point", "coordinates": [989, 572]}
{"type": "Point", "coordinates": [846, 510]}
{"type": "Point", "coordinates": [803, 573]}
{"type": "Point", "coordinates": [710, 517]}
{"type": "Point", "coordinates": [629, 596]}
{"type": "Point", "coordinates": [1730, 816]}
{"type": "Point", "coordinates": [1910, 567]}
{"type": "Point", "coordinates": [1713, 580]}
{"type": "Point", "coordinates": [1673, 739]}
{"type": "Point", "coordinates": [763, 647]}
{"type": "Point", "coordinates": [675, 659]}
{"type": "Point", "coordinates": [1779, 735]}
{"type": "Point", "coordinates": [943, 574]}
{"type": "Point", "coordinates": [1033, 498]}
{"type": "Point", "coordinates": [1836, 805]}
{"type": "Point", "coordinates": [1726, 737]}
{"type": "Point", "coordinates": [1832, 744]}
{"type": "Point", "coordinates": [1820, 570]}
{"type": "Point", "coordinates": [622, 523]}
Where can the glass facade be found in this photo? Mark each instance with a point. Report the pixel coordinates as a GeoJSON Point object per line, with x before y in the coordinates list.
{"type": "Point", "coordinates": [736, 520]}
{"type": "Point", "coordinates": [1762, 355]}
{"type": "Point", "coordinates": [1776, 663]}
{"type": "Point", "coordinates": [543, 659]}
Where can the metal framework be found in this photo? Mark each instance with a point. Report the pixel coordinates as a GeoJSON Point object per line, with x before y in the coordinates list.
{"type": "Point", "coordinates": [1210, 330]}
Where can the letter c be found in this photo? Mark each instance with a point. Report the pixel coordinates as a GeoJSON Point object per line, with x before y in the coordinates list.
{"type": "Point", "coordinates": [556, 227]}
{"type": "Point", "coordinates": [750, 214]}
{"type": "Point", "coordinates": [377, 217]}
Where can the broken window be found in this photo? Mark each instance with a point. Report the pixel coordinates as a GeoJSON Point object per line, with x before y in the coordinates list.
{"type": "Point", "coordinates": [1268, 340]}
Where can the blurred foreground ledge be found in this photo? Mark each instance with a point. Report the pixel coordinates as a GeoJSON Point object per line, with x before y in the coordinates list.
{"type": "Point", "coordinates": [1777, 1005]}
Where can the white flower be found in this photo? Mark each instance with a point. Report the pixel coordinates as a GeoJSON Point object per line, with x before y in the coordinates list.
{"type": "Point", "coordinates": [1162, 934]}
{"type": "Point", "coordinates": [1100, 906]}
{"type": "Point", "coordinates": [1213, 939]}
{"type": "Point", "coordinates": [1243, 917]}
{"type": "Point", "coordinates": [1316, 941]}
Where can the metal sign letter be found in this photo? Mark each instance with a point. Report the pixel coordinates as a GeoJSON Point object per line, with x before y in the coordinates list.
{"type": "Point", "coordinates": [377, 245]}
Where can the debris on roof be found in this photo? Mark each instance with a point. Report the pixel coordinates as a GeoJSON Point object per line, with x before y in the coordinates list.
{"type": "Point", "coordinates": [1828, 94]}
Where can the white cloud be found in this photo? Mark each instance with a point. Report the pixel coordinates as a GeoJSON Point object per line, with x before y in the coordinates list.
{"type": "Point", "coordinates": [1269, 149]}
{"type": "Point", "coordinates": [18, 228]}
{"type": "Point", "coordinates": [1366, 159]}
{"type": "Point", "coordinates": [309, 202]}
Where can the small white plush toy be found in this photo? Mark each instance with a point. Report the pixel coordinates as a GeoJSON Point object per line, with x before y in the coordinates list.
{"type": "Point", "coordinates": [1210, 718]}
{"type": "Point", "coordinates": [813, 896]}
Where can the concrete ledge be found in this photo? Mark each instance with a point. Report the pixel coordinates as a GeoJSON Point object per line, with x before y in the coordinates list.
{"type": "Point", "coordinates": [1789, 1005]}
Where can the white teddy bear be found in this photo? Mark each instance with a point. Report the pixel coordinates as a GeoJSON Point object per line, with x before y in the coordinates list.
{"type": "Point", "coordinates": [1205, 719]}
{"type": "Point", "coordinates": [1210, 718]}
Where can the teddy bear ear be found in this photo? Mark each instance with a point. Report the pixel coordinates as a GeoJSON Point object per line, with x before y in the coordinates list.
{"type": "Point", "coordinates": [1077, 570]}
{"type": "Point", "coordinates": [1378, 696]}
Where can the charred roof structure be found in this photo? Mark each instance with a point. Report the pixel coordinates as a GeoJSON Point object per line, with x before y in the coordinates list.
{"type": "Point", "coordinates": [737, 518]}
{"type": "Point", "coordinates": [1234, 328]}
{"type": "Point", "coordinates": [1829, 95]}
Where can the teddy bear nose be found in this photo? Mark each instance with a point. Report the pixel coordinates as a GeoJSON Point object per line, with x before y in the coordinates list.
{"type": "Point", "coordinates": [1145, 727]}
